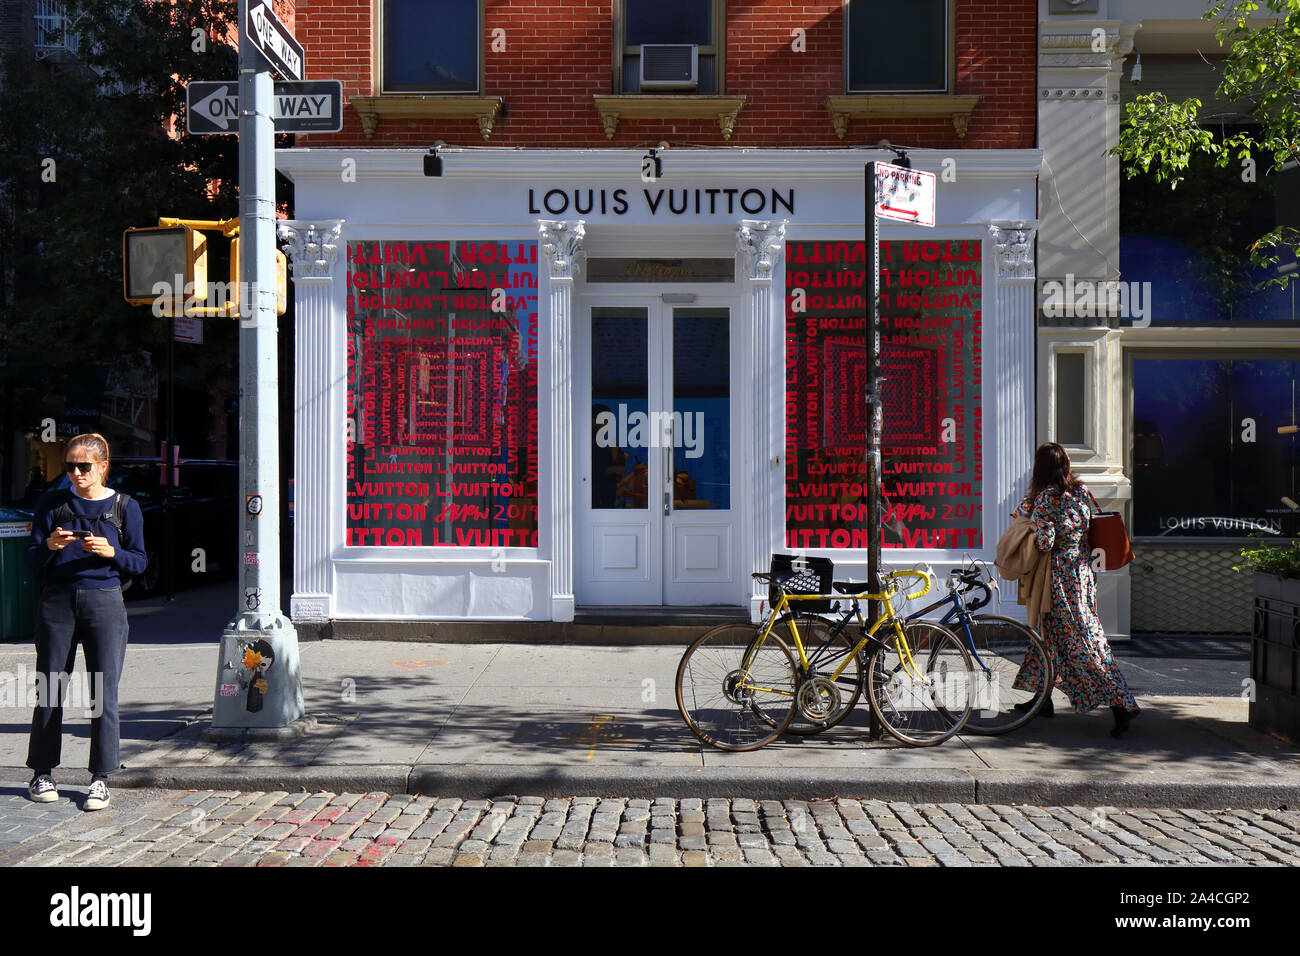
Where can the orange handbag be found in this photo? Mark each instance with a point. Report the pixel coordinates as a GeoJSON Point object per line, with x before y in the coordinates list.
{"type": "Point", "coordinates": [1107, 534]}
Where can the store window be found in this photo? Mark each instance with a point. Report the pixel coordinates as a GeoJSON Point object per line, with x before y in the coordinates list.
{"type": "Point", "coordinates": [1207, 459]}
{"type": "Point", "coordinates": [431, 46]}
{"type": "Point", "coordinates": [931, 362]}
{"type": "Point", "coordinates": [442, 394]}
{"type": "Point", "coordinates": [698, 23]}
{"type": "Point", "coordinates": [897, 48]}
{"type": "Point", "coordinates": [1184, 253]}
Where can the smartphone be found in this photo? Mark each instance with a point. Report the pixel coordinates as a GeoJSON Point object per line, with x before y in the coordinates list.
{"type": "Point", "coordinates": [80, 534]}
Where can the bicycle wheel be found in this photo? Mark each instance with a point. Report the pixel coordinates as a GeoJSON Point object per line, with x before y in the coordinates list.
{"type": "Point", "coordinates": [727, 704]}
{"type": "Point", "coordinates": [821, 702]}
{"type": "Point", "coordinates": [1004, 645]}
{"type": "Point", "coordinates": [921, 713]}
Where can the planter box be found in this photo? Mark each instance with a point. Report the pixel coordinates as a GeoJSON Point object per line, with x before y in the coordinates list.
{"type": "Point", "coordinates": [1275, 656]}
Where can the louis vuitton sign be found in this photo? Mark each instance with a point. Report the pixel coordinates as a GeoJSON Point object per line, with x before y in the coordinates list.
{"type": "Point", "coordinates": [659, 201]}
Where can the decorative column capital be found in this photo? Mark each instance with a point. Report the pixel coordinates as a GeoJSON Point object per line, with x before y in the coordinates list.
{"type": "Point", "coordinates": [562, 245]}
{"type": "Point", "coordinates": [760, 243]}
{"type": "Point", "coordinates": [1013, 244]}
{"type": "Point", "coordinates": [313, 246]}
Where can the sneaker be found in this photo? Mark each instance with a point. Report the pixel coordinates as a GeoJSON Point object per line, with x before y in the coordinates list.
{"type": "Point", "coordinates": [97, 799]}
{"type": "Point", "coordinates": [42, 789]}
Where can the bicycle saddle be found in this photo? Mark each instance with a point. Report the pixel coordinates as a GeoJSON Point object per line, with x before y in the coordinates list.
{"type": "Point", "coordinates": [851, 587]}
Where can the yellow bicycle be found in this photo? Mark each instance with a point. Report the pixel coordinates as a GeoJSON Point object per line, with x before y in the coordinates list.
{"type": "Point", "coordinates": [740, 686]}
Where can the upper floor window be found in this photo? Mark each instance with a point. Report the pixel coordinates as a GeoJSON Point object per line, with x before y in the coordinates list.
{"type": "Point", "coordinates": [686, 23]}
{"type": "Point", "coordinates": [897, 48]}
{"type": "Point", "coordinates": [431, 46]}
{"type": "Point", "coordinates": [54, 32]}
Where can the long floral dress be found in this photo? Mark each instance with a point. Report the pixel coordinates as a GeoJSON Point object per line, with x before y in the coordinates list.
{"type": "Point", "coordinates": [1081, 655]}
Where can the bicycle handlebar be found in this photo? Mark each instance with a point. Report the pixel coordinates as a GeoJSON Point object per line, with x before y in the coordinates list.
{"type": "Point", "coordinates": [967, 581]}
{"type": "Point", "coordinates": [980, 602]}
{"type": "Point", "coordinates": [923, 576]}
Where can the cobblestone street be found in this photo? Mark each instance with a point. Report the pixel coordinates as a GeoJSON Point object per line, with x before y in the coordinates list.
{"type": "Point", "coordinates": [207, 828]}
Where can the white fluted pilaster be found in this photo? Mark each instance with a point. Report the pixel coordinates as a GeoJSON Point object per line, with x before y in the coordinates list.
{"type": "Point", "coordinates": [561, 247]}
{"type": "Point", "coordinates": [1011, 340]}
{"type": "Point", "coordinates": [313, 249]}
{"type": "Point", "coordinates": [760, 244]}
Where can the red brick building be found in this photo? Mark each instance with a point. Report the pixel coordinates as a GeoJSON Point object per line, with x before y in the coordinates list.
{"type": "Point", "coordinates": [604, 346]}
{"type": "Point", "coordinates": [551, 64]}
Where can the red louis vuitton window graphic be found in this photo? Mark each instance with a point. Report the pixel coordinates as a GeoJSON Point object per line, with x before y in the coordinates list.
{"type": "Point", "coordinates": [442, 394]}
{"type": "Point", "coordinates": [930, 359]}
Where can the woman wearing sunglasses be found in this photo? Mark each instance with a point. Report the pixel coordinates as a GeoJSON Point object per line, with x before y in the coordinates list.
{"type": "Point", "coordinates": [82, 557]}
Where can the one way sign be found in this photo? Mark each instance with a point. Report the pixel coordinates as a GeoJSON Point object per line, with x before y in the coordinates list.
{"type": "Point", "coordinates": [314, 106]}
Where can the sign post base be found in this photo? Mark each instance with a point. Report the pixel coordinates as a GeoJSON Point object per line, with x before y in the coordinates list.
{"type": "Point", "coordinates": [259, 680]}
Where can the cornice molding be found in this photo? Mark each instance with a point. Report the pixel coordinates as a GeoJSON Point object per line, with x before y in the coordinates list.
{"type": "Point", "coordinates": [429, 106]}
{"type": "Point", "coordinates": [900, 106]}
{"type": "Point", "coordinates": [620, 106]}
{"type": "Point", "coordinates": [568, 165]}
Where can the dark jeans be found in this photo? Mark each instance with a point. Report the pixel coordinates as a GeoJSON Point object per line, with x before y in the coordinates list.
{"type": "Point", "coordinates": [97, 620]}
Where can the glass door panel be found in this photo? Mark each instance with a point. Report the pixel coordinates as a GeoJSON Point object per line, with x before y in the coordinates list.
{"type": "Point", "coordinates": [620, 401]}
{"type": "Point", "coordinates": [701, 409]}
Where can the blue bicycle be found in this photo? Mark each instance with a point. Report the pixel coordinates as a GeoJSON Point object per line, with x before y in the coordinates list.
{"type": "Point", "coordinates": [999, 646]}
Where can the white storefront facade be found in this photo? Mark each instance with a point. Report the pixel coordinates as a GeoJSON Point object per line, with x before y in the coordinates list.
{"type": "Point", "coordinates": [539, 383]}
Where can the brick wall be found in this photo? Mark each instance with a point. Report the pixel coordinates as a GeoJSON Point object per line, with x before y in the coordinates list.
{"type": "Point", "coordinates": [559, 54]}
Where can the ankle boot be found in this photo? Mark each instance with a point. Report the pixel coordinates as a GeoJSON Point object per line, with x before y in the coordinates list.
{"type": "Point", "coordinates": [1122, 720]}
{"type": "Point", "coordinates": [1047, 711]}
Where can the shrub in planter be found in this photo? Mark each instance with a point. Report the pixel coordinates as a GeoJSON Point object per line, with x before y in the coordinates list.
{"type": "Point", "coordinates": [1275, 640]}
{"type": "Point", "coordinates": [1272, 559]}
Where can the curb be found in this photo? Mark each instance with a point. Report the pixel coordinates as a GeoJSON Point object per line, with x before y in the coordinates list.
{"type": "Point", "coordinates": [482, 781]}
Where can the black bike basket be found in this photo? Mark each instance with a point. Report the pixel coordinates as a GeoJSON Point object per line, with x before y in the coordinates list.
{"type": "Point", "coordinates": [811, 576]}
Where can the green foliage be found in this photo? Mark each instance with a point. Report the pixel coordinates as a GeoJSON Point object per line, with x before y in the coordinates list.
{"type": "Point", "coordinates": [1261, 69]}
{"type": "Point", "coordinates": [99, 122]}
{"type": "Point", "coordinates": [1271, 559]}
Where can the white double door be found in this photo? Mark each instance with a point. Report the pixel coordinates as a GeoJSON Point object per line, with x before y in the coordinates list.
{"type": "Point", "coordinates": [659, 452]}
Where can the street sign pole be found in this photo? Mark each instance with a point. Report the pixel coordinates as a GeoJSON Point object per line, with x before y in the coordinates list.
{"type": "Point", "coordinates": [875, 411]}
{"type": "Point", "coordinates": [259, 684]}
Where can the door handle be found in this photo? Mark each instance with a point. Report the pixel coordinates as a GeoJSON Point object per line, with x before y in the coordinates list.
{"type": "Point", "coordinates": [668, 463]}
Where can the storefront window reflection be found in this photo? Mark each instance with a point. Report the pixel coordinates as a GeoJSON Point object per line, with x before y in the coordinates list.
{"type": "Point", "coordinates": [1207, 457]}
{"type": "Point", "coordinates": [931, 358]}
{"type": "Point", "coordinates": [442, 393]}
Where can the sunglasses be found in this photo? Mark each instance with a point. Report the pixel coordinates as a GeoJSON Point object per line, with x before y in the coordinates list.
{"type": "Point", "coordinates": [81, 466]}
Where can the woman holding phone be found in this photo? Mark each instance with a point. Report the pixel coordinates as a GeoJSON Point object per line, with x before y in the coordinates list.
{"type": "Point", "coordinates": [84, 540]}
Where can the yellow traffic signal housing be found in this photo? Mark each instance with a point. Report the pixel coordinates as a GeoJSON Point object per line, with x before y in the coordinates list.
{"type": "Point", "coordinates": [281, 278]}
{"type": "Point", "coordinates": [163, 256]}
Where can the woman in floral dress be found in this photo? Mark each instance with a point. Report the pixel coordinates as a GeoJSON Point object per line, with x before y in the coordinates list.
{"type": "Point", "coordinates": [1058, 504]}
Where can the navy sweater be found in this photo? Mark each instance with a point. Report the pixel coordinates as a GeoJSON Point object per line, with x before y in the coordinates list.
{"type": "Point", "coordinates": [74, 566]}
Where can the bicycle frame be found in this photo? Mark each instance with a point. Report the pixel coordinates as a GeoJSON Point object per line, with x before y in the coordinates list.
{"type": "Point", "coordinates": [869, 634]}
{"type": "Point", "coordinates": [956, 613]}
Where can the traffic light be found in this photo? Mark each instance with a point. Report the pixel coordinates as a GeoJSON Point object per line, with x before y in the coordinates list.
{"type": "Point", "coordinates": [281, 278]}
{"type": "Point", "coordinates": [172, 256]}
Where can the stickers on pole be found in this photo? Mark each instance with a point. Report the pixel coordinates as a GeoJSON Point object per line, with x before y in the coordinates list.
{"type": "Point", "coordinates": [904, 195]}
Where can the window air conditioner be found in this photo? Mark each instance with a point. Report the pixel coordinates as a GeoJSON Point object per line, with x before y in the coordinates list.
{"type": "Point", "coordinates": [670, 66]}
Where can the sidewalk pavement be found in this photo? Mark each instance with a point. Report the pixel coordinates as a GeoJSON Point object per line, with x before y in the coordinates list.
{"type": "Point", "coordinates": [482, 720]}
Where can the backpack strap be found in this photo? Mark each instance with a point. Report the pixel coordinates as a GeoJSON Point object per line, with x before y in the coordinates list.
{"type": "Point", "coordinates": [62, 511]}
{"type": "Point", "coordinates": [116, 514]}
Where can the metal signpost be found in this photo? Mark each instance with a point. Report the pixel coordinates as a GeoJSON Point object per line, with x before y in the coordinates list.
{"type": "Point", "coordinates": [905, 195]}
{"type": "Point", "coordinates": [259, 684]}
